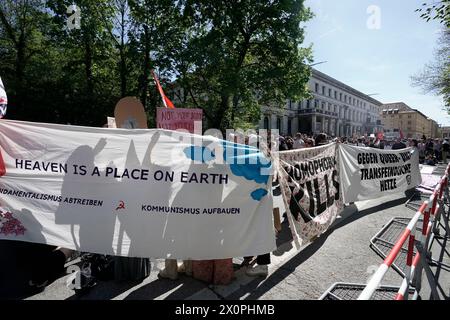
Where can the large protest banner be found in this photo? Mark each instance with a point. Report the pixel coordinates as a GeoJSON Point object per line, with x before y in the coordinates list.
{"type": "Point", "coordinates": [368, 173]}
{"type": "Point", "coordinates": [309, 180]}
{"type": "Point", "coordinates": [174, 119]}
{"type": "Point", "coordinates": [140, 193]}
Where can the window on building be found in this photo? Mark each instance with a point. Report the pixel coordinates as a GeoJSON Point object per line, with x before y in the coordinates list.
{"type": "Point", "coordinates": [323, 105]}
{"type": "Point", "coordinates": [308, 104]}
{"type": "Point", "coordinates": [329, 92]}
{"type": "Point", "coordinates": [279, 124]}
{"type": "Point", "coordinates": [409, 116]}
{"type": "Point", "coordinates": [290, 104]}
{"type": "Point", "coordinates": [323, 90]}
{"type": "Point", "coordinates": [340, 96]}
{"type": "Point", "coordinates": [316, 104]}
{"type": "Point", "coordinates": [409, 122]}
{"type": "Point", "coordinates": [335, 94]}
{"type": "Point", "coordinates": [317, 87]}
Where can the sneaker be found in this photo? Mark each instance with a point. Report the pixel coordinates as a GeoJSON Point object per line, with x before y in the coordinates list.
{"type": "Point", "coordinates": [258, 270]}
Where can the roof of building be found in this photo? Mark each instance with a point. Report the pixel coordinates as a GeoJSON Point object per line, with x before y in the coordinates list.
{"type": "Point", "coordinates": [326, 78]}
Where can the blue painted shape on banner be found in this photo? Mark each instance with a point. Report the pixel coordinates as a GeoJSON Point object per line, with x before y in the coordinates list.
{"type": "Point", "coordinates": [258, 194]}
{"type": "Point", "coordinates": [247, 162]}
{"type": "Point", "coordinates": [244, 161]}
{"type": "Point", "coordinates": [202, 154]}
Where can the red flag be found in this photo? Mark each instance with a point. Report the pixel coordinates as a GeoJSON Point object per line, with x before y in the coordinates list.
{"type": "Point", "coordinates": [380, 135]}
{"type": "Point", "coordinates": [401, 134]}
{"type": "Point", "coordinates": [167, 103]}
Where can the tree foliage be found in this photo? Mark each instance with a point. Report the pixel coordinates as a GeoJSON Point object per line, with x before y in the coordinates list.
{"type": "Point", "coordinates": [438, 10]}
{"type": "Point", "coordinates": [226, 57]}
{"type": "Point", "coordinates": [435, 76]}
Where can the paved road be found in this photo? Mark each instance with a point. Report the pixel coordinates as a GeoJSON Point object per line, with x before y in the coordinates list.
{"type": "Point", "coordinates": [342, 254]}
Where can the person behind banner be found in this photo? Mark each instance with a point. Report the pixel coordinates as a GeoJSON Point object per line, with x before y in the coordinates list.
{"type": "Point", "coordinates": [445, 150]}
{"type": "Point", "coordinates": [298, 141]}
{"type": "Point", "coordinates": [398, 145]}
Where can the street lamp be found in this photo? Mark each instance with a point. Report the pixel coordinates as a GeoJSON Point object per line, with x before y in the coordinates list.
{"type": "Point", "coordinates": [315, 64]}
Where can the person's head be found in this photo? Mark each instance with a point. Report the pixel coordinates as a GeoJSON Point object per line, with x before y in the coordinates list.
{"type": "Point", "coordinates": [413, 143]}
{"type": "Point", "coordinates": [309, 143]}
{"type": "Point", "coordinates": [321, 139]}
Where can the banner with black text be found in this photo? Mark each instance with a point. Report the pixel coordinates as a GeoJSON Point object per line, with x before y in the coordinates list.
{"type": "Point", "coordinates": [369, 173]}
{"type": "Point", "coordinates": [138, 193]}
{"type": "Point", "coordinates": [309, 180]}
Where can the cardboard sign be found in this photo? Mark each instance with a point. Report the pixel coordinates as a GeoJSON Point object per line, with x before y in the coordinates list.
{"type": "Point", "coordinates": [130, 114]}
{"type": "Point", "coordinates": [174, 119]}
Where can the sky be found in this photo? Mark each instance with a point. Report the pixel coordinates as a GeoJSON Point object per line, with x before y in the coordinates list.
{"type": "Point", "coordinates": [375, 46]}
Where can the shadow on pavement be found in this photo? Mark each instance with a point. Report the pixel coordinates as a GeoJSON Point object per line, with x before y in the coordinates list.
{"type": "Point", "coordinates": [255, 289]}
{"type": "Point", "coordinates": [181, 288]}
{"type": "Point", "coordinates": [105, 290]}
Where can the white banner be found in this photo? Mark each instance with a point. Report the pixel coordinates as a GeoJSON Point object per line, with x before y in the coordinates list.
{"type": "Point", "coordinates": [134, 193]}
{"type": "Point", "coordinates": [309, 180]}
{"type": "Point", "coordinates": [368, 173]}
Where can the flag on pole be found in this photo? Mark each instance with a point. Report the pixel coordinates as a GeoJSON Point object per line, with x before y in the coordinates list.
{"type": "Point", "coordinates": [401, 134]}
{"type": "Point", "coordinates": [380, 135]}
{"type": "Point", "coordinates": [166, 101]}
{"type": "Point", "coordinates": [3, 100]}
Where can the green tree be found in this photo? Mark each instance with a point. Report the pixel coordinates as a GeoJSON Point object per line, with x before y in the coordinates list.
{"type": "Point", "coordinates": [22, 40]}
{"type": "Point", "coordinates": [158, 29]}
{"type": "Point", "coordinates": [435, 77]}
{"type": "Point", "coordinates": [239, 55]}
{"type": "Point", "coordinates": [89, 78]}
{"type": "Point", "coordinates": [438, 10]}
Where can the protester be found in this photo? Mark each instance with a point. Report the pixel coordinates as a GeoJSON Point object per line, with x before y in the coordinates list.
{"type": "Point", "coordinates": [422, 150]}
{"type": "Point", "coordinates": [438, 150]}
{"type": "Point", "coordinates": [321, 139]}
{"type": "Point", "coordinates": [298, 142]}
{"type": "Point", "coordinates": [429, 147]}
{"type": "Point", "coordinates": [445, 150]}
{"type": "Point", "coordinates": [51, 261]}
{"type": "Point", "coordinates": [398, 145]}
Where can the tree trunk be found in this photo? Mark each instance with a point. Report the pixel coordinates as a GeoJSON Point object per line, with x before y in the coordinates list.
{"type": "Point", "coordinates": [224, 106]}
{"type": "Point", "coordinates": [20, 72]}
{"type": "Point", "coordinates": [123, 73]}
{"type": "Point", "coordinates": [88, 67]}
{"type": "Point", "coordinates": [145, 67]}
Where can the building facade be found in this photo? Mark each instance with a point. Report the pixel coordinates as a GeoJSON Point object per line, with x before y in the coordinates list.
{"type": "Point", "coordinates": [398, 116]}
{"type": "Point", "coordinates": [445, 131]}
{"type": "Point", "coordinates": [336, 109]}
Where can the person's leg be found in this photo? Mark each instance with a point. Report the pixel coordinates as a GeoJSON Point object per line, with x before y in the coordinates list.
{"type": "Point", "coordinates": [51, 264]}
{"type": "Point", "coordinates": [171, 269]}
{"type": "Point", "coordinates": [262, 267]}
{"type": "Point", "coordinates": [186, 267]}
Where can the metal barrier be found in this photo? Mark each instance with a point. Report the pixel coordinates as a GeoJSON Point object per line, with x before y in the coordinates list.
{"type": "Point", "coordinates": [351, 291]}
{"type": "Point", "coordinates": [415, 263]}
{"type": "Point", "coordinates": [384, 240]}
